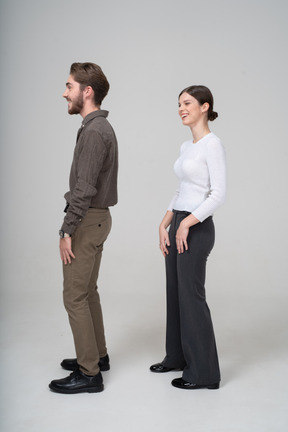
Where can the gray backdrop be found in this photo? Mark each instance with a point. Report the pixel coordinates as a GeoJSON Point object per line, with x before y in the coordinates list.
{"type": "Point", "coordinates": [149, 51]}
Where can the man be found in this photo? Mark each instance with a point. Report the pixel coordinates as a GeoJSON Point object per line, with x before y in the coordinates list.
{"type": "Point", "coordinates": [87, 223]}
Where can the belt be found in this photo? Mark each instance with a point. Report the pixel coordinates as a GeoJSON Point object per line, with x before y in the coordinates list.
{"type": "Point", "coordinates": [181, 212]}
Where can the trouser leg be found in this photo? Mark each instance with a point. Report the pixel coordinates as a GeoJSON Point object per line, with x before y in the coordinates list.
{"type": "Point", "coordinates": [81, 298]}
{"type": "Point", "coordinates": [197, 334]}
{"type": "Point", "coordinates": [95, 307]}
{"type": "Point", "coordinates": [174, 352]}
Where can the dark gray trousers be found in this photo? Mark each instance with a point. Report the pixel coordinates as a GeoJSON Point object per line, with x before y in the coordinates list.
{"type": "Point", "coordinates": [190, 341]}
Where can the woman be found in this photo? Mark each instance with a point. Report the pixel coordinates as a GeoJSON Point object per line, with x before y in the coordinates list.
{"type": "Point", "coordinates": [190, 341]}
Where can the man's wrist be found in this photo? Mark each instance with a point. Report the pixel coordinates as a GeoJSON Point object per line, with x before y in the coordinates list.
{"type": "Point", "coordinates": [62, 234]}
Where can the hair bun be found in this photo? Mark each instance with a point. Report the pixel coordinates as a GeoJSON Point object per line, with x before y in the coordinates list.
{"type": "Point", "coordinates": [213, 115]}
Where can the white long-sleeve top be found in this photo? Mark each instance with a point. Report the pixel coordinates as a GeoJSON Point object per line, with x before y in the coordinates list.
{"type": "Point", "coordinates": [201, 169]}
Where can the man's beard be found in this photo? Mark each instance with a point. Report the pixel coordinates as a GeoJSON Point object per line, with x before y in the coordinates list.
{"type": "Point", "coordinates": [76, 104]}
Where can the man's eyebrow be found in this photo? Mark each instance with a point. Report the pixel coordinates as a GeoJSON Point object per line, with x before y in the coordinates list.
{"type": "Point", "coordinates": [68, 83]}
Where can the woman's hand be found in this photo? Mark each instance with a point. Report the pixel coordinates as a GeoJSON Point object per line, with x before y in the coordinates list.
{"type": "Point", "coordinates": [181, 237]}
{"type": "Point", "coordinates": [182, 232]}
{"type": "Point", "coordinates": [163, 233]}
{"type": "Point", "coordinates": [163, 240]}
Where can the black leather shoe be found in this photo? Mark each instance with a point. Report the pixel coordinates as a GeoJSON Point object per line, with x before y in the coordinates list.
{"type": "Point", "coordinates": [159, 368]}
{"type": "Point", "coordinates": [104, 363]}
{"type": "Point", "coordinates": [72, 365]}
{"type": "Point", "coordinates": [182, 384]}
{"type": "Point", "coordinates": [78, 382]}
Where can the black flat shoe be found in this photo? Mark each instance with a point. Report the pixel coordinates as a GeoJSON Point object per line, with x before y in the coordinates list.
{"type": "Point", "coordinates": [72, 365]}
{"type": "Point", "coordinates": [159, 368]}
{"type": "Point", "coordinates": [78, 382]}
{"type": "Point", "coordinates": [182, 384]}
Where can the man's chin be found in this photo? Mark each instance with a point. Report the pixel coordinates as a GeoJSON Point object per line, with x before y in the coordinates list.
{"type": "Point", "coordinates": [72, 111]}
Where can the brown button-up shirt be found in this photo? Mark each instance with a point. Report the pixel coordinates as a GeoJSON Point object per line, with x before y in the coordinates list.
{"type": "Point", "coordinates": [93, 175]}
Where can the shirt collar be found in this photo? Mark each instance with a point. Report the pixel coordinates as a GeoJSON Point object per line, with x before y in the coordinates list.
{"type": "Point", "coordinates": [93, 114]}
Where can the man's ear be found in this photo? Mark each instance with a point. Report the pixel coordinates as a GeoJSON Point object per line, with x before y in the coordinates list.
{"type": "Point", "coordinates": [88, 91]}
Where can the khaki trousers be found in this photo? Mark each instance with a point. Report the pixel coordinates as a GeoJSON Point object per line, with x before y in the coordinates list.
{"type": "Point", "coordinates": [80, 295]}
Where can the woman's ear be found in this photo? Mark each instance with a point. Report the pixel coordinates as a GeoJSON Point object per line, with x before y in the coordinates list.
{"type": "Point", "coordinates": [205, 107]}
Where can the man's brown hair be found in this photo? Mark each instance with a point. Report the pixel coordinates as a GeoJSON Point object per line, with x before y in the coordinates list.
{"type": "Point", "coordinates": [90, 74]}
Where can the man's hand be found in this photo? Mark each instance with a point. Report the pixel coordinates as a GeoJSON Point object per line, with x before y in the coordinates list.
{"type": "Point", "coordinates": [65, 250]}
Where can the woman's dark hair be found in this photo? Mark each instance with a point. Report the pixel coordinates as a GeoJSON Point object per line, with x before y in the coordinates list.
{"type": "Point", "coordinates": [90, 74]}
{"type": "Point", "coordinates": [202, 94]}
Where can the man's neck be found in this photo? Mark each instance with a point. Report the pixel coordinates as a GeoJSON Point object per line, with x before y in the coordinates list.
{"type": "Point", "coordinates": [88, 109]}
